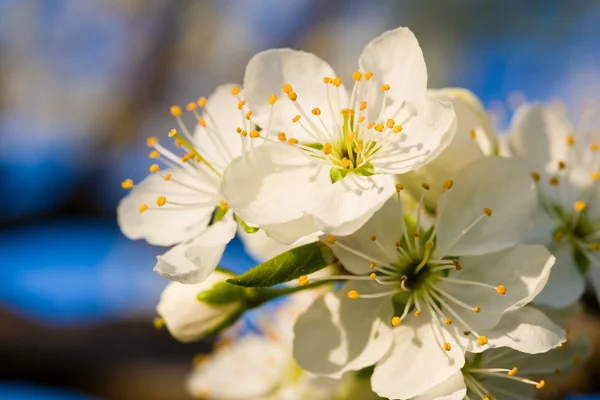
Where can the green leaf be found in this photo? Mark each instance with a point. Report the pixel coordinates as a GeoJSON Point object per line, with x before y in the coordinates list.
{"type": "Point", "coordinates": [285, 267]}
{"type": "Point", "coordinates": [247, 228]}
{"type": "Point", "coordinates": [337, 174]}
{"type": "Point", "coordinates": [222, 293]}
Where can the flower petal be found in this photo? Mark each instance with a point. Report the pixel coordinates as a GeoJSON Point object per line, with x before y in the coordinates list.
{"type": "Point", "coordinates": [406, 371]}
{"type": "Point", "coordinates": [299, 231]}
{"type": "Point", "coordinates": [338, 334]}
{"type": "Point", "coordinates": [168, 225]}
{"type": "Point", "coordinates": [195, 260]}
{"type": "Point", "coordinates": [269, 70]}
{"type": "Point", "coordinates": [566, 284]}
{"type": "Point", "coordinates": [522, 270]}
{"type": "Point", "coordinates": [527, 330]}
{"type": "Point", "coordinates": [219, 142]}
{"type": "Point", "coordinates": [423, 138]}
{"type": "Point", "coordinates": [453, 388]}
{"type": "Point", "coordinates": [491, 182]}
{"type": "Point", "coordinates": [260, 246]}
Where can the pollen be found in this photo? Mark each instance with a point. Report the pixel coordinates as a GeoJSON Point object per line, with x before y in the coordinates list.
{"type": "Point", "coordinates": [327, 148]}
{"type": "Point", "coordinates": [396, 321]}
{"type": "Point", "coordinates": [373, 237]}
{"type": "Point", "coordinates": [397, 129]}
{"type": "Point", "coordinates": [167, 177]}
{"type": "Point", "coordinates": [540, 385]}
{"type": "Point", "coordinates": [447, 346]}
{"type": "Point", "coordinates": [570, 140]}
{"type": "Point", "coordinates": [390, 123]}
{"type": "Point", "coordinates": [143, 208]}
{"type": "Point", "coordinates": [379, 127]}
{"type": "Point", "coordinates": [238, 129]}
{"type": "Point", "coordinates": [368, 75]}
{"type": "Point", "coordinates": [296, 118]}
{"type": "Point", "coordinates": [337, 81]}
{"type": "Point", "coordinates": [292, 141]}
{"type": "Point", "coordinates": [535, 176]}
{"type": "Point", "coordinates": [425, 185]}
{"type": "Point", "coordinates": [579, 206]}
{"type": "Point", "coordinates": [202, 102]}
{"type": "Point", "coordinates": [241, 104]}
{"type": "Point", "coordinates": [223, 205]}
{"type": "Point", "coordinates": [513, 371]}
{"type": "Point", "coordinates": [357, 76]}
{"type": "Point", "coordinates": [127, 184]}
{"type": "Point", "coordinates": [353, 294]}
{"type": "Point", "coordinates": [447, 185]}
{"type": "Point", "coordinates": [154, 168]}
{"type": "Point", "coordinates": [327, 80]}
{"type": "Point", "coordinates": [235, 90]}
{"type": "Point", "coordinates": [151, 141]}
{"type": "Point", "coordinates": [154, 154]}
{"type": "Point", "coordinates": [345, 163]}
{"type": "Point", "coordinates": [248, 115]}
{"type": "Point", "coordinates": [477, 309]}
{"type": "Point", "coordinates": [190, 106]}
{"type": "Point", "coordinates": [417, 313]}
{"type": "Point", "coordinates": [370, 125]}
{"type": "Point", "coordinates": [287, 88]}
{"type": "Point", "coordinates": [292, 96]}
{"type": "Point", "coordinates": [202, 122]}
{"type": "Point", "coordinates": [254, 134]}
{"type": "Point", "coordinates": [273, 99]}
{"type": "Point", "coordinates": [372, 276]}
{"type": "Point", "coordinates": [175, 111]}
{"type": "Point", "coordinates": [397, 244]}
{"type": "Point", "coordinates": [363, 105]}
{"type": "Point", "coordinates": [361, 119]}
{"type": "Point", "coordinates": [281, 136]}
{"type": "Point", "coordinates": [371, 265]}
{"type": "Point", "coordinates": [501, 289]}
{"type": "Point", "coordinates": [316, 111]}
{"type": "Point", "coordinates": [482, 340]}
{"type": "Point", "coordinates": [385, 88]}
{"type": "Point", "coordinates": [562, 165]}
{"type": "Point", "coordinates": [594, 147]}
{"type": "Point", "coordinates": [487, 211]}
{"type": "Point", "coordinates": [399, 187]}
{"type": "Point", "coordinates": [244, 133]}
{"type": "Point", "coordinates": [473, 134]}
{"type": "Point", "coordinates": [331, 239]}
{"type": "Point", "coordinates": [303, 280]}
{"type": "Point", "coordinates": [448, 321]}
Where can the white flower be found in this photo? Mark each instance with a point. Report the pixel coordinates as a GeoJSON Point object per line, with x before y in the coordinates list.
{"type": "Point", "coordinates": [506, 372]}
{"type": "Point", "coordinates": [189, 319]}
{"type": "Point", "coordinates": [566, 166]}
{"type": "Point", "coordinates": [181, 205]}
{"type": "Point", "coordinates": [415, 292]}
{"type": "Point", "coordinates": [334, 152]}
{"type": "Point", "coordinates": [474, 139]}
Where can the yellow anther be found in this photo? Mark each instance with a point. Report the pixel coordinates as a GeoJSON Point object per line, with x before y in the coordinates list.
{"type": "Point", "coordinates": [202, 122]}
{"type": "Point", "coordinates": [154, 154]}
{"type": "Point", "coordinates": [373, 237]}
{"type": "Point", "coordinates": [244, 133]}
{"type": "Point", "coordinates": [447, 346]}
{"type": "Point", "coordinates": [353, 294]}
{"type": "Point", "coordinates": [337, 81]}
{"type": "Point", "coordinates": [159, 323]}
{"type": "Point", "coordinates": [351, 136]}
{"type": "Point", "coordinates": [363, 105]}
{"type": "Point", "coordinates": [448, 321]}
{"type": "Point", "coordinates": [535, 176]}
{"type": "Point", "coordinates": [281, 136]}
{"type": "Point", "coordinates": [368, 75]}
{"type": "Point", "coordinates": [238, 129]}
{"type": "Point", "coordinates": [417, 313]}
{"type": "Point", "coordinates": [172, 133]}
{"type": "Point", "coordinates": [327, 80]}
{"type": "Point", "coordinates": [404, 278]}
{"type": "Point", "coordinates": [397, 244]}
{"type": "Point", "coordinates": [154, 168]}
{"type": "Point", "coordinates": [168, 177]}
{"type": "Point", "coordinates": [540, 384]}
{"type": "Point", "coordinates": [487, 211]}
{"type": "Point", "coordinates": [361, 119]}
{"type": "Point", "coordinates": [477, 309]}
{"type": "Point", "coordinates": [425, 185]}
{"type": "Point", "coordinates": [390, 123]}
{"type": "Point", "coordinates": [371, 265]}
{"type": "Point", "coordinates": [379, 127]}
{"type": "Point", "coordinates": [595, 176]}
{"type": "Point", "coordinates": [241, 104]}
{"type": "Point", "coordinates": [562, 165]}
{"type": "Point", "coordinates": [357, 76]}
{"type": "Point", "coordinates": [385, 88]}
{"type": "Point", "coordinates": [175, 111]}
{"type": "Point", "coordinates": [199, 359]}
{"type": "Point", "coordinates": [570, 140]}
{"type": "Point", "coordinates": [396, 321]}
{"type": "Point", "coordinates": [513, 371]}
{"type": "Point", "coordinates": [327, 148]}
{"type": "Point", "coordinates": [296, 118]}
{"type": "Point", "coordinates": [178, 143]}
{"type": "Point", "coordinates": [161, 201]}
{"type": "Point", "coordinates": [595, 246]}
{"type": "Point", "coordinates": [397, 129]}
{"type": "Point", "coordinates": [254, 134]}
{"type": "Point", "coordinates": [273, 99]}
{"type": "Point", "coordinates": [358, 148]}
{"type": "Point", "coordinates": [248, 115]}
{"type": "Point", "coordinates": [202, 102]}
{"type": "Point", "coordinates": [331, 239]}
{"type": "Point", "coordinates": [594, 147]}
{"type": "Point", "coordinates": [473, 133]}
{"type": "Point", "coordinates": [447, 185]}
{"type": "Point", "coordinates": [143, 208]}
{"type": "Point", "coordinates": [482, 340]}
{"type": "Point", "coordinates": [457, 265]}
{"type": "Point", "coordinates": [151, 141]}
{"type": "Point", "coordinates": [127, 184]}
{"type": "Point", "coordinates": [287, 88]}
{"type": "Point", "coordinates": [399, 187]}
{"type": "Point", "coordinates": [372, 276]}
{"type": "Point", "coordinates": [316, 111]}
{"type": "Point", "coordinates": [292, 96]}
{"type": "Point", "coordinates": [292, 141]}
{"type": "Point", "coordinates": [303, 280]}
{"type": "Point", "coordinates": [370, 125]}
{"type": "Point", "coordinates": [558, 236]}
{"type": "Point", "coordinates": [235, 90]}
{"type": "Point", "coordinates": [190, 106]}
{"type": "Point", "coordinates": [501, 289]}
{"type": "Point", "coordinates": [345, 163]}
{"type": "Point", "coordinates": [223, 205]}
{"type": "Point", "coordinates": [579, 206]}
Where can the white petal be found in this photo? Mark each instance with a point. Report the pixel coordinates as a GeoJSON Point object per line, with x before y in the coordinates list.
{"type": "Point", "coordinates": [269, 70]}
{"type": "Point", "coordinates": [386, 224]}
{"type": "Point", "coordinates": [338, 334]}
{"type": "Point", "coordinates": [417, 362]}
{"type": "Point", "coordinates": [219, 142]}
{"type": "Point", "coordinates": [538, 136]}
{"type": "Point", "coordinates": [195, 260]}
{"type": "Point", "coordinates": [299, 231]}
{"type": "Point", "coordinates": [260, 246]}
{"type": "Point", "coordinates": [566, 284]}
{"type": "Point", "coordinates": [523, 270]}
{"type": "Point", "coordinates": [395, 58]}
{"type": "Point", "coordinates": [168, 225]}
{"type": "Point", "coordinates": [423, 138]}
{"type": "Point", "coordinates": [527, 330]}
{"type": "Point", "coordinates": [491, 182]}
{"type": "Point", "coordinates": [453, 388]}
{"type": "Point", "coordinates": [249, 368]}
{"type": "Point", "coordinates": [186, 318]}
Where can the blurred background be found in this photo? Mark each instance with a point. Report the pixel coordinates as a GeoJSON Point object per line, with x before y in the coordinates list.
{"type": "Point", "coordinates": [84, 82]}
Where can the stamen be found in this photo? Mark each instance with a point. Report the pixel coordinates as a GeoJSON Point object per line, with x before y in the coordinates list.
{"type": "Point", "coordinates": [127, 184]}
{"type": "Point", "coordinates": [143, 208]}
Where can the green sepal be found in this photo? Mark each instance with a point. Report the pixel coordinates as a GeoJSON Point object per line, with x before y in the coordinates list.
{"type": "Point", "coordinates": [222, 293]}
{"type": "Point", "coordinates": [226, 323]}
{"type": "Point", "coordinates": [218, 215]}
{"type": "Point", "coordinates": [337, 174]}
{"type": "Point", "coordinates": [247, 228]}
{"type": "Point", "coordinates": [287, 266]}
{"type": "Point", "coordinates": [581, 261]}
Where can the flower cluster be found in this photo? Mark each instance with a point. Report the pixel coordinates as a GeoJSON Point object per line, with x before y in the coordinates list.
{"type": "Point", "coordinates": [410, 251]}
